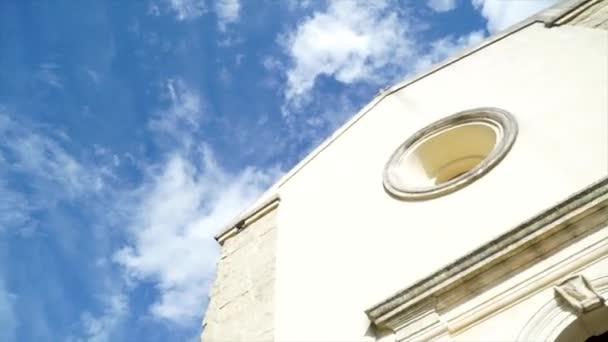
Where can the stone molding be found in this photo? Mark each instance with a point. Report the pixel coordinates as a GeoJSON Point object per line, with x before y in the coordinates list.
{"type": "Point", "coordinates": [579, 294]}
{"type": "Point", "coordinates": [588, 13]}
{"type": "Point", "coordinates": [419, 321]}
{"type": "Point", "coordinates": [247, 218]}
{"type": "Point", "coordinates": [552, 318]}
{"type": "Point", "coordinates": [487, 266]}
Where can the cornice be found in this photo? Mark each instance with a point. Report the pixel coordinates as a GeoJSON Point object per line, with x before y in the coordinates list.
{"type": "Point", "coordinates": [575, 11]}
{"type": "Point", "coordinates": [247, 218]}
{"type": "Point", "coordinates": [590, 202]}
{"type": "Point", "coordinates": [552, 15]}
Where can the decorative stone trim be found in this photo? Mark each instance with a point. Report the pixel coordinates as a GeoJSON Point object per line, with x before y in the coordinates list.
{"type": "Point", "coordinates": [551, 319]}
{"type": "Point", "coordinates": [247, 218]}
{"type": "Point", "coordinates": [581, 213]}
{"type": "Point", "coordinates": [588, 13]}
{"type": "Point", "coordinates": [491, 119]}
{"type": "Point", "coordinates": [419, 322]}
{"type": "Point", "coordinates": [578, 294]}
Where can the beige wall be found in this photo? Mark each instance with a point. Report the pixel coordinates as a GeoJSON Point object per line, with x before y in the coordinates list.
{"type": "Point", "coordinates": [241, 307]}
{"type": "Point", "coordinates": [344, 244]}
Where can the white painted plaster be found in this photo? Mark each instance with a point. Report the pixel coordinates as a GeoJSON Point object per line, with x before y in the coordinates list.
{"type": "Point", "coordinates": [343, 243]}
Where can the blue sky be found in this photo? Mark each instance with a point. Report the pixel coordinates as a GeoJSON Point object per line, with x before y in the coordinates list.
{"type": "Point", "coordinates": [131, 131]}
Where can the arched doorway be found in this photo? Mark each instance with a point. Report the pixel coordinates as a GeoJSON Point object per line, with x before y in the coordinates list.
{"type": "Point", "coordinates": [590, 327]}
{"type": "Point", "coordinates": [556, 322]}
{"type": "Point", "coordinates": [598, 338]}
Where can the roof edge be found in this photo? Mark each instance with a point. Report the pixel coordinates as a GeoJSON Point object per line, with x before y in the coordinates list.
{"type": "Point", "coordinates": [247, 218]}
{"type": "Point", "coordinates": [553, 16]}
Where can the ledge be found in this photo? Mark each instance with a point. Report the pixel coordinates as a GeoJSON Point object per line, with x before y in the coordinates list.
{"type": "Point", "coordinates": [506, 247]}
{"type": "Point", "coordinates": [247, 218]}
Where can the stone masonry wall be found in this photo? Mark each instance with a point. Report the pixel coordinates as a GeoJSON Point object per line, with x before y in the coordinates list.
{"type": "Point", "coordinates": [241, 306]}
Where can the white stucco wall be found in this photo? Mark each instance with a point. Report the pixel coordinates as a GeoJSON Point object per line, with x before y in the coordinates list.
{"type": "Point", "coordinates": [344, 244]}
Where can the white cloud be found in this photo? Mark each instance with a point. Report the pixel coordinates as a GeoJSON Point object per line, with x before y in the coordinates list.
{"type": "Point", "coordinates": [227, 12]}
{"type": "Point", "coordinates": [357, 43]}
{"type": "Point", "coordinates": [184, 113]}
{"type": "Point", "coordinates": [37, 174]}
{"type": "Point", "coordinates": [294, 5]}
{"type": "Point", "coordinates": [225, 76]}
{"type": "Point", "coordinates": [272, 64]}
{"type": "Point", "coordinates": [501, 14]}
{"type": "Point", "coordinates": [445, 47]}
{"type": "Point", "coordinates": [52, 174]}
{"type": "Point", "coordinates": [101, 328]}
{"type": "Point", "coordinates": [350, 41]}
{"type": "Point", "coordinates": [184, 200]}
{"type": "Point", "coordinates": [361, 41]}
{"type": "Point", "coordinates": [49, 73]}
{"type": "Point", "coordinates": [180, 210]}
{"type": "Point", "coordinates": [15, 209]}
{"type": "Point", "coordinates": [42, 157]}
{"type": "Point", "coordinates": [442, 5]}
{"type": "Point", "coordinates": [186, 9]}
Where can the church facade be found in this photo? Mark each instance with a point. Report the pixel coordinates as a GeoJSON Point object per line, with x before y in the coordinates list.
{"type": "Point", "coordinates": [469, 203]}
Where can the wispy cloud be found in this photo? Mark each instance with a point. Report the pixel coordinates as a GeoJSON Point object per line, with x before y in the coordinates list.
{"type": "Point", "coordinates": [501, 14]}
{"type": "Point", "coordinates": [182, 202]}
{"type": "Point", "coordinates": [50, 74]}
{"type": "Point", "coordinates": [350, 41]}
{"type": "Point", "coordinates": [227, 11]}
{"type": "Point", "coordinates": [15, 209]}
{"type": "Point", "coordinates": [101, 328]}
{"type": "Point", "coordinates": [184, 9]}
{"type": "Point", "coordinates": [442, 5]}
{"type": "Point", "coordinates": [356, 43]}
{"type": "Point", "coordinates": [51, 173]}
{"type": "Point", "coordinates": [182, 116]}
{"type": "Point", "coordinates": [171, 214]}
{"type": "Point", "coordinates": [173, 226]}
{"type": "Point", "coordinates": [40, 176]}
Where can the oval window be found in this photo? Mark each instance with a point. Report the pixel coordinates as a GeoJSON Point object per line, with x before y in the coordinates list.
{"type": "Point", "coordinates": [449, 153]}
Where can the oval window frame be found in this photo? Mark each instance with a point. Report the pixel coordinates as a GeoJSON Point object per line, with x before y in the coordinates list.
{"type": "Point", "coordinates": [500, 119]}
